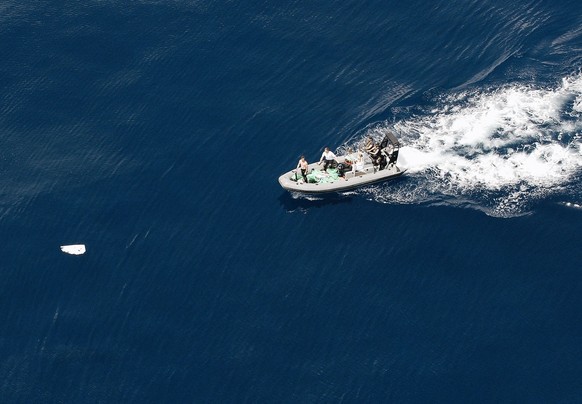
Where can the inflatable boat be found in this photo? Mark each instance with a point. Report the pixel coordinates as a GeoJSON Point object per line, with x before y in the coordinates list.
{"type": "Point", "coordinates": [372, 164]}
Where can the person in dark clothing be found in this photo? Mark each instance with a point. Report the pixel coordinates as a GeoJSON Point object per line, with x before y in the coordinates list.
{"type": "Point", "coordinates": [328, 159]}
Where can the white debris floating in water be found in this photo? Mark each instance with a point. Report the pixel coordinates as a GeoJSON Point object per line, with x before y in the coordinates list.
{"type": "Point", "coordinates": [75, 249]}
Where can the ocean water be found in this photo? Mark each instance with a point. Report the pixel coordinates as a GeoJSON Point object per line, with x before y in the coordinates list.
{"type": "Point", "coordinates": [154, 132]}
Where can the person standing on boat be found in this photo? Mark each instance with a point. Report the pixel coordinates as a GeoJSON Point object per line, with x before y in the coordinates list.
{"type": "Point", "coordinates": [328, 158]}
{"type": "Point", "coordinates": [303, 165]}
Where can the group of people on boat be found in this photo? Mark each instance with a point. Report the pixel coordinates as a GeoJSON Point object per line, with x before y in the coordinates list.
{"type": "Point", "coordinates": [372, 162]}
{"type": "Point", "coordinates": [381, 155]}
{"type": "Point", "coordinates": [374, 150]}
{"type": "Point", "coordinates": [329, 160]}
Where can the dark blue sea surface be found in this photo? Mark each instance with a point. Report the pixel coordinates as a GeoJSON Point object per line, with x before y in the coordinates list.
{"type": "Point", "coordinates": [153, 132]}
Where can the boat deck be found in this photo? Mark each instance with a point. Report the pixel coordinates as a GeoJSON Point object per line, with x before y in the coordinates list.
{"type": "Point", "coordinates": [368, 175]}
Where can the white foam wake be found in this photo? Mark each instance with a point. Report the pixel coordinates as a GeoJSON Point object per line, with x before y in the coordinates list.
{"type": "Point", "coordinates": [497, 150]}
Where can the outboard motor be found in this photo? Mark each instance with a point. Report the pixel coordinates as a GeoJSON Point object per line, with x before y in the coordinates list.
{"type": "Point", "coordinates": [393, 157]}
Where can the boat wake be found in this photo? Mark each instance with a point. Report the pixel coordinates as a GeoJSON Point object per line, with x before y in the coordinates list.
{"type": "Point", "coordinates": [572, 205]}
{"type": "Point", "coordinates": [500, 150]}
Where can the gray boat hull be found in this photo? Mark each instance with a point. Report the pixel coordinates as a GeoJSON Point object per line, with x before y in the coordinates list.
{"type": "Point", "coordinates": [369, 175]}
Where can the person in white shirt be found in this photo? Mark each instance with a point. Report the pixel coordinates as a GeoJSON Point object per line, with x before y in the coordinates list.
{"type": "Point", "coordinates": [328, 158]}
{"type": "Point", "coordinates": [358, 165]}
